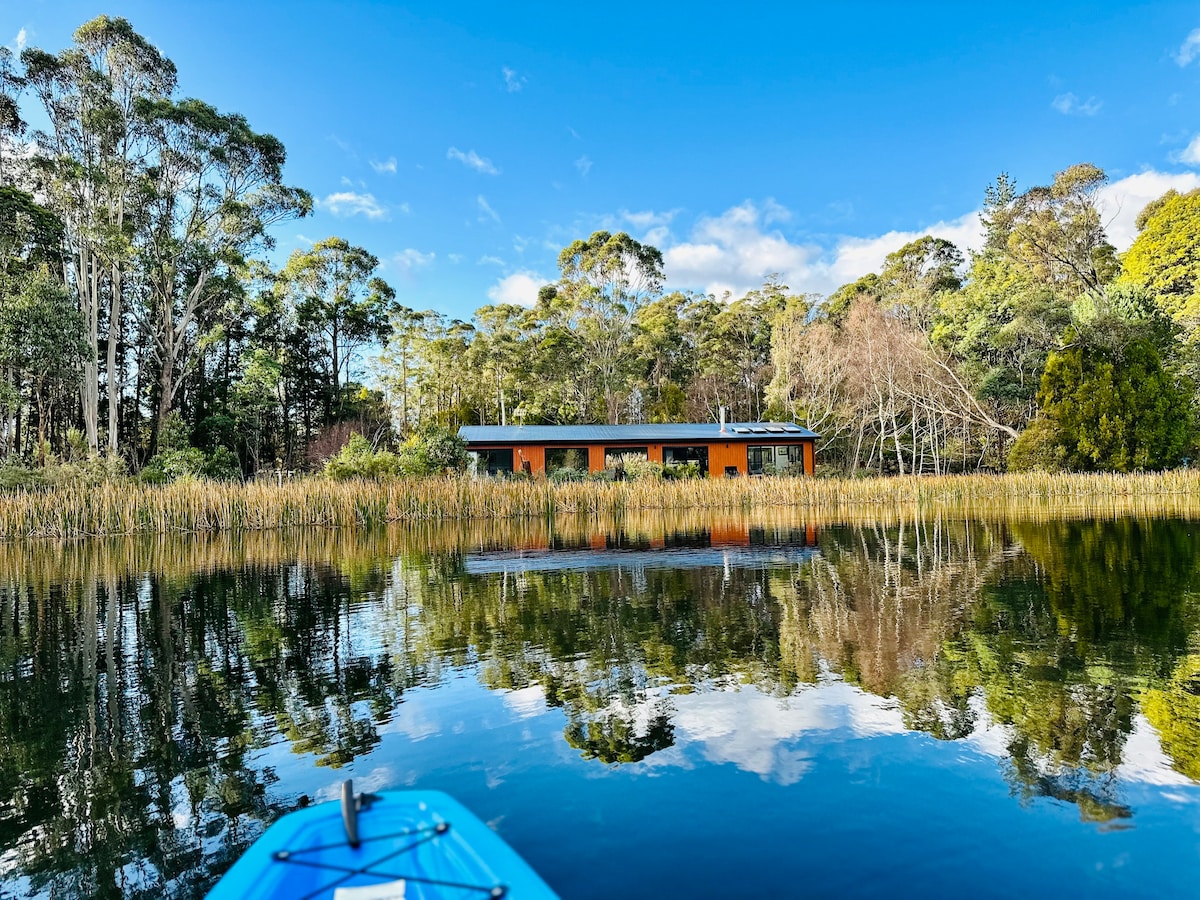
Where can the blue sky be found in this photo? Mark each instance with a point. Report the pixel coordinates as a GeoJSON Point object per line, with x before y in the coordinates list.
{"type": "Point", "coordinates": [465, 144]}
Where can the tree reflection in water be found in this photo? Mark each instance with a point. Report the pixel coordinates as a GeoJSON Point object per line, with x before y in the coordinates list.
{"type": "Point", "coordinates": [142, 683]}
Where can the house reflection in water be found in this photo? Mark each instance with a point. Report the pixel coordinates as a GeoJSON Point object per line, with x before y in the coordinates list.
{"type": "Point", "coordinates": [726, 546]}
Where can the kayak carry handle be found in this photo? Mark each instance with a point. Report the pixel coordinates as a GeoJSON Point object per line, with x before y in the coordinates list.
{"type": "Point", "coordinates": [350, 813]}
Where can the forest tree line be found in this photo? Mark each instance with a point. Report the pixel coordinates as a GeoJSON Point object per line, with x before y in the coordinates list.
{"type": "Point", "coordinates": [1044, 349]}
{"type": "Point", "coordinates": [143, 324]}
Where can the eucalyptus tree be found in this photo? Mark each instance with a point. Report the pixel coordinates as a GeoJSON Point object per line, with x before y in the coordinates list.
{"type": "Point", "coordinates": [213, 190]}
{"type": "Point", "coordinates": [338, 302]}
{"type": "Point", "coordinates": [605, 280]}
{"type": "Point", "coordinates": [1057, 231]}
{"type": "Point", "coordinates": [1000, 328]}
{"type": "Point", "coordinates": [12, 126]}
{"type": "Point", "coordinates": [500, 353]}
{"type": "Point", "coordinates": [916, 277]}
{"type": "Point", "coordinates": [400, 361]}
{"type": "Point", "coordinates": [91, 157]}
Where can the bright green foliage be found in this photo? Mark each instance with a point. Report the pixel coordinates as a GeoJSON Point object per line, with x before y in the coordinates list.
{"type": "Point", "coordinates": [1039, 448]}
{"type": "Point", "coordinates": [358, 459]}
{"type": "Point", "coordinates": [338, 301]}
{"type": "Point", "coordinates": [838, 303]}
{"type": "Point", "coordinates": [1165, 257]}
{"type": "Point", "coordinates": [41, 343]}
{"type": "Point", "coordinates": [1002, 325]}
{"type": "Point", "coordinates": [432, 452]}
{"type": "Point", "coordinates": [1115, 410]}
{"type": "Point", "coordinates": [605, 282]}
{"type": "Point", "coordinates": [177, 459]}
{"type": "Point", "coordinates": [1057, 231]}
{"type": "Point", "coordinates": [918, 275]}
{"type": "Point", "coordinates": [1174, 710]}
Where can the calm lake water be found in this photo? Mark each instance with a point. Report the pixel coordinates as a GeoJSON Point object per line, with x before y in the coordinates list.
{"type": "Point", "coordinates": [702, 707]}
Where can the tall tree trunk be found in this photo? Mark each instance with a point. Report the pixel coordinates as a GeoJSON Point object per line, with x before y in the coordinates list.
{"type": "Point", "coordinates": [166, 392]}
{"type": "Point", "coordinates": [88, 284]}
{"type": "Point", "coordinates": [41, 411]}
{"type": "Point", "coordinates": [114, 379]}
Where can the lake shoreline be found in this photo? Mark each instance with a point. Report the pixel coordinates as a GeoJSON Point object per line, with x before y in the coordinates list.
{"type": "Point", "coordinates": [122, 508]}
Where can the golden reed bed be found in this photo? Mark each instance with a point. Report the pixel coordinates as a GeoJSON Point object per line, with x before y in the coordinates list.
{"type": "Point", "coordinates": [129, 509]}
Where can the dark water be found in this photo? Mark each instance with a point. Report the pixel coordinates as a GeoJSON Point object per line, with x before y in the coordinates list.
{"type": "Point", "coordinates": [644, 710]}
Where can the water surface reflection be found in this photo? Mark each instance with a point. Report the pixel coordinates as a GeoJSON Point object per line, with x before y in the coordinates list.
{"type": "Point", "coordinates": [160, 701]}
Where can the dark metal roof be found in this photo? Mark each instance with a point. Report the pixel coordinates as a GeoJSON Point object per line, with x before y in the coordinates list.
{"type": "Point", "coordinates": [760, 432]}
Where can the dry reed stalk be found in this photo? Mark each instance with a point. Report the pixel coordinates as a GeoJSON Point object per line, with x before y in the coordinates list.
{"type": "Point", "coordinates": [129, 509]}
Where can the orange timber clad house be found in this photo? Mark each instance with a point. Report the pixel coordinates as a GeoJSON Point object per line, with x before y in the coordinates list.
{"type": "Point", "coordinates": [738, 448]}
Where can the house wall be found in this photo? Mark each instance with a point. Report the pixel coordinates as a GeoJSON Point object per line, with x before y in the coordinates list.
{"type": "Point", "coordinates": [731, 453]}
{"type": "Point", "coordinates": [535, 456]}
{"type": "Point", "coordinates": [720, 455]}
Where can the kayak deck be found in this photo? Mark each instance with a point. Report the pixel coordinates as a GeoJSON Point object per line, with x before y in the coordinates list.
{"type": "Point", "coordinates": [426, 839]}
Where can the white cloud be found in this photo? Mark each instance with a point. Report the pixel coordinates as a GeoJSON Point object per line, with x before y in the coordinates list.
{"type": "Point", "coordinates": [1070, 105]}
{"type": "Point", "coordinates": [584, 165]}
{"type": "Point", "coordinates": [854, 257]}
{"type": "Point", "coordinates": [526, 703]}
{"type": "Point", "coordinates": [486, 212]}
{"type": "Point", "coordinates": [1189, 49]}
{"type": "Point", "coordinates": [411, 259]}
{"type": "Point", "coordinates": [1189, 155]}
{"type": "Point", "coordinates": [490, 261]}
{"type": "Point", "coordinates": [520, 288]}
{"type": "Point", "coordinates": [385, 168]}
{"type": "Point", "coordinates": [1122, 200]}
{"type": "Point", "coordinates": [473, 160]}
{"type": "Point", "coordinates": [21, 40]}
{"type": "Point", "coordinates": [344, 204]}
{"type": "Point", "coordinates": [513, 81]}
{"type": "Point", "coordinates": [733, 252]}
{"type": "Point", "coordinates": [772, 737]}
{"type": "Point", "coordinates": [649, 218]}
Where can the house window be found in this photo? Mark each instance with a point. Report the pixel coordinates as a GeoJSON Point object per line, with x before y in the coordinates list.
{"type": "Point", "coordinates": [613, 455]}
{"type": "Point", "coordinates": [682, 456]}
{"type": "Point", "coordinates": [575, 458]}
{"type": "Point", "coordinates": [786, 460]}
{"type": "Point", "coordinates": [761, 460]}
{"type": "Point", "coordinates": [493, 462]}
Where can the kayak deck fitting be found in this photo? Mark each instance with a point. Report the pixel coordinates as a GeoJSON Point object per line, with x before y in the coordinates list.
{"type": "Point", "coordinates": [415, 845]}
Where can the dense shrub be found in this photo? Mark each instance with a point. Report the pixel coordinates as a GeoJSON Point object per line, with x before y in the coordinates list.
{"type": "Point", "coordinates": [636, 468]}
{"type": "Point", "coordinates": [440, 450]}
{"type": "Point", "coordinates": [16, 475]}
{"type": "Point", "coordinates": [222, 465]}
{"type": "Point", "coordinates": [681, 470]}
{"type": "Point", "coordinates": [1038, 448]}
{"type": "Point", "coordinates": [358, 459]}
{"type": "Point", "coordinates": [172, 465]}
{"type": "Point", "coordinates": [1113, 408]}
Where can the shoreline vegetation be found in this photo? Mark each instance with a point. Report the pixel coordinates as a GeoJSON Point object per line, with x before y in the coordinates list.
{"type": "Point", "coordinates": [113, 509]}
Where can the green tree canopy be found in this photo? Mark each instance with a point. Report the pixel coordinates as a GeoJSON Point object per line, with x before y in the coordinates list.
{"type": "Point", "coordinates": [1165, 256]}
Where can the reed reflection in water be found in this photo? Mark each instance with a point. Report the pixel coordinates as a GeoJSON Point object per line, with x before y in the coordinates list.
{"type": "Point", "coordinates": [162, 700]}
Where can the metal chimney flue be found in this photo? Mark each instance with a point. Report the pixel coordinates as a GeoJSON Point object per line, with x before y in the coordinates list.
{"type": "Point", "coordinates": [722, 420]}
